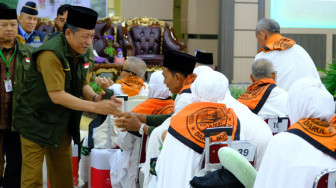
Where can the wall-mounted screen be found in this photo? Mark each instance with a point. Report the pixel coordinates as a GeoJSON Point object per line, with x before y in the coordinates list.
{"type": "Point", "coordinates": [304, 13]}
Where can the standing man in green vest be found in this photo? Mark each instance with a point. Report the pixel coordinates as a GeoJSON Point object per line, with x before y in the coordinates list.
{"type": "Point", "coordinates": [14, 63]}
{"type": "Point", "coordinates": [48, 112]}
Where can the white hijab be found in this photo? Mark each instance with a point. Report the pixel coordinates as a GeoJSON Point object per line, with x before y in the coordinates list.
{"type": "Point", "coordinates": [200, 69]}
{"type": "Point", "coordinates": [308, 98]}
{"type": "Point", "coordinates": [210, 86]}
{"type": "Point", "coordinates": [157, 89]}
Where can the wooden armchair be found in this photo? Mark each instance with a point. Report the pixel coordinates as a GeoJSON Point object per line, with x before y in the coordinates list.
{"type": "Point", "coordinates": [46, 26]}
{"type": "Point", "coordinates": [148, 38]}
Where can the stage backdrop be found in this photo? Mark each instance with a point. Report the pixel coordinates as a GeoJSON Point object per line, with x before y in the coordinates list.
{"type": "Point", "coordinates": [48, 8]}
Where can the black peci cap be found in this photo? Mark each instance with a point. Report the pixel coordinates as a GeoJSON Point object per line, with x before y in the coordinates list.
{"type": "Point", "coordinates": [82, 17]}
{"type": "Point", "coordinates": [179, 61]}
{"type": "Point", "coordinates": [204, 58]}
{"type": "Point", "coordinates": [7, 14]}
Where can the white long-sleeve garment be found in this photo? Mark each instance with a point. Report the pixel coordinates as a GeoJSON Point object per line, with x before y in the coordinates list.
{"type": "Point", "coordinates": [290, 161]}
{"type": "Point", "coordinates": [253, 128]}
{"type": "Point", "coordinates": [291, 65]}
{"type": "Point", "coordinates": [275, 104]}
{"type": "Point", "coordinates": [177, 164]}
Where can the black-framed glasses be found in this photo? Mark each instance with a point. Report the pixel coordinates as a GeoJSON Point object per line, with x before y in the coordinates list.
{"type": "Point", "coordinates": [122, 69]}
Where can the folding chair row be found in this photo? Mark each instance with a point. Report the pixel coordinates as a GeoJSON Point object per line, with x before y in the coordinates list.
{"type": "Point", "coordinates": [244, 147]}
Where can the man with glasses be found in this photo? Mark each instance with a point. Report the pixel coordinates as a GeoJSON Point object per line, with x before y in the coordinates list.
{"type": "Point", "coordinates": [14, 64]}
{"type": "Point", "coordinates": [264, 97]}
{"type": "Point", "coordinates": [130, 82]}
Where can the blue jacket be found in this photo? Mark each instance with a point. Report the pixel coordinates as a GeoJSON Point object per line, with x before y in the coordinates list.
{"type": "Point", "coordinates": [35, 37]}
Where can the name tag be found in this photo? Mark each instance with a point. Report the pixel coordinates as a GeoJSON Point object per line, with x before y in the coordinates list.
{"type": "Point", "coordinates": [278, 125]}
{"type": "Point", "coordinates": [245, 148]}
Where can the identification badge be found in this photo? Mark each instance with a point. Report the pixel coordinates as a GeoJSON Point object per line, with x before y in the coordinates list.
{"type": "Point", "coordinates": [245, 148]}
{"type": "Point", "coordinates": [8, 86]}
{"type": "Point", "coordinates": [86, 65]}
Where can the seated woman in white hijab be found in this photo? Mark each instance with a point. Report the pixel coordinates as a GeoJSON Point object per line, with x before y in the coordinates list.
{"type": "Point", "coordinates": [159, 102]}
{"type": "Point", "coordinates": [253, 128]}
{"type": "Point", "coordinates": [295, 157]}
{"type": "Point", "coordinates": [181, 155]}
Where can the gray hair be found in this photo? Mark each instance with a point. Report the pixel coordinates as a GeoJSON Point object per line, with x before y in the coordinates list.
{"type": "Point", "coordinates": [136, 65]}
{"type": "Point", "coordinates": [268, 25]}
{"type": "Point", "coordinates": [72, 28]}
{"type": "Point", "coordinates": [262, 68]}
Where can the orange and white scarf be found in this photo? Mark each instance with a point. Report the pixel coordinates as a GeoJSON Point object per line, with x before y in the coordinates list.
{"type": "Point", "coordinates": [277, 42]}
{"type": "Point", "coordinates": [189, 124]}
{"type": "Point", "coordinates": [320, 134]}
{"type": "Point", "coordinates": [131, 86]}
{"type": "Point", "coordinates": [256, 94]}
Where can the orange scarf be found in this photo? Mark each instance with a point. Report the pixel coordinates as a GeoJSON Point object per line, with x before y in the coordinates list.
{"type": "Point", "coordinates": [277, 42]}
{"type": "Point", "coordinates": [187, 83]}
{"type": "Point", "coordinates": [169, 109]}
{"type": "Point", "coordinates": [155, 106]}
{"type": "Point", "coordinates": [256, 94]}
{"type": "Point", "coordinates": [321, 134]}
{"type": "Point", "coordinates": [189, 124]}
{"type": "Point", "coordinates": [131, 86]}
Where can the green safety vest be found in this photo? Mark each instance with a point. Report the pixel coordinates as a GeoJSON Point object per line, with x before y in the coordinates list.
{"type": "Point", "coordinates": [21, 65]}
{"type": "Point", "coordinates": [37, 118]}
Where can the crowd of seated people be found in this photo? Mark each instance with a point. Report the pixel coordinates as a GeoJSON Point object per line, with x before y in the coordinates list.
{"type": "Point", "coordinates": [175, 127]}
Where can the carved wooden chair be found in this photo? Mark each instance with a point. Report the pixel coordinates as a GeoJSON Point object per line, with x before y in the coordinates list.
{"type": "Point", "coordinates": [148, 38]}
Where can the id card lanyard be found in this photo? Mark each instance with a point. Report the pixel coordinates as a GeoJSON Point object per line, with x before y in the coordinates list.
{"type": "Point", "coordinates": [7, 63]}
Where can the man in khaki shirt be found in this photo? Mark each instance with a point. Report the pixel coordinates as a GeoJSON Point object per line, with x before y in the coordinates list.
{"type": "Point", "coordinates": [55, 91]}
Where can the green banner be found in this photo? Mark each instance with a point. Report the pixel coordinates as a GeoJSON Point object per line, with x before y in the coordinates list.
{"type": "Point", "coordinates": [10, 3]}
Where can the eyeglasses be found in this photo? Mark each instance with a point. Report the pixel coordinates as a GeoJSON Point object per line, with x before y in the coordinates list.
{"type": "Point", "coordinates": [122, 69]}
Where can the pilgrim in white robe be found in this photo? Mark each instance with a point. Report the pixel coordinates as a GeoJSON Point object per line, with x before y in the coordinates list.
{"type": "Point", "coordinates": [290, 64]}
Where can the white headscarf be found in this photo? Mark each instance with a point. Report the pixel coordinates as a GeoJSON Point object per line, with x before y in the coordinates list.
{"type": "Point", "coordinates": [210, 86]}
{"type": "Point", "coordinates": [202, 68]}
{"type": "Point", "coordinates": [157, 89]}
{"type": "Point", "coordinates": [308, 98]}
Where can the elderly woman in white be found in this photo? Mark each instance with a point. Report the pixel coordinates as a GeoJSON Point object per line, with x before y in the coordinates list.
{"type": "Point", "coordinates": [294, 158]}
{"type": "Point", "coordinates": [178, 163]}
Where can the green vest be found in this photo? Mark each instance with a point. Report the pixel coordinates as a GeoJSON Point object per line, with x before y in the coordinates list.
{"type": "Point", "coordinates": [37, 118]}
{"type": "Point", "coordinates": [21, 65]}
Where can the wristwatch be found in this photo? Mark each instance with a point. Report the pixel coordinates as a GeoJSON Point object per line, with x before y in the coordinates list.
{"type": "Point", "coordinates": [141, 131]}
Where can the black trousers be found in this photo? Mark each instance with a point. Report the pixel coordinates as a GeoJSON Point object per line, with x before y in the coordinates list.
{"type": "Point", "coordinates": [12, 150]}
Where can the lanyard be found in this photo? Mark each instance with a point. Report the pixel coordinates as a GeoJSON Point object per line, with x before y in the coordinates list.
{"type": "Point", "coordinates": [7, 62]}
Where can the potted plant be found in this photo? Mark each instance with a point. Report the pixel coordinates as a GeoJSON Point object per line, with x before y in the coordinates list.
{"type": "Point", "coordinates": [109, 50]}
{"type": "Point", "coordinates": [329, 79]}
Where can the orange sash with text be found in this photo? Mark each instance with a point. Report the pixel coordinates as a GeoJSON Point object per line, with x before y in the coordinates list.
{"type": "Point", "coordinates": [256, 94]}
{"type": "Point", "coordinates": [189, 124]}
{"type": "Point", "coordinates": [155, 106]}
{"type": "Point", "coordinates": [131, 86]}
{"type": "Point", "coordinates": [320, 134]}
{"type": "Point", "coordinates": [277, 42]}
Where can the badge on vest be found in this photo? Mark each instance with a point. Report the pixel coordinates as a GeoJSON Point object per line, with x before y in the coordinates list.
{"type": "Point", "coordinates": [27, 59]}
{"type": "Point", "coordinates": [86, 65]}
{"type": "Point", "coordinates": [8, 86]}
{"type": "Point", "coordinates": [37, 39]}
